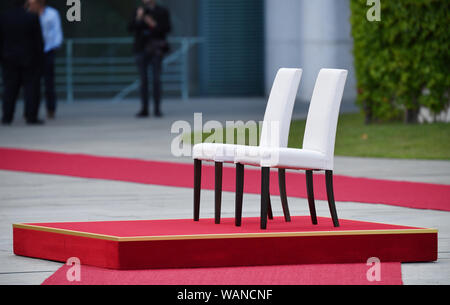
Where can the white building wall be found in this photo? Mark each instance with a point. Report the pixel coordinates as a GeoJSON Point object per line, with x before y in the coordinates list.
{"type": "Point", "coordinates": [309, 34]}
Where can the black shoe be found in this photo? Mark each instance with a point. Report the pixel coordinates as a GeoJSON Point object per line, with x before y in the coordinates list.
{"type": "Point", "coordinates": [35, 122]}
{"type": "Point", "coordinates": [143, 114]}
{"type": "Point", "coordinates": [6, 122]}
{"type": "Point", "coordinates": [50, 114]}
{"type": "Point", "coordinates": [158, 114]}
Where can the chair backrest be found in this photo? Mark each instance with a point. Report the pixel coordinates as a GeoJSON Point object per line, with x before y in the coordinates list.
{"type": "Point", "coordinates": [277, 119]}
{"type": "Point", "coordinates": [321, 124]}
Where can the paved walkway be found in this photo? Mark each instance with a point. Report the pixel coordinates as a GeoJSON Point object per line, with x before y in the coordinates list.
{"type": "Point", "coordinates": [103, 128]}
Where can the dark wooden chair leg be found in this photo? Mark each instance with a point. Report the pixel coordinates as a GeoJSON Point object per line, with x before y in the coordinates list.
{"type": "Point", "coordinates": [283, 195]}
{"type": "Point", "coordinates": [197, 188]}
{"type": "Point", "coordinates": [218, 191]}
{"type": "Point", "coordinates": [330, 194]}
{"type": "Point", "coordinates": [310, 191]}
{"type": "Point", "coordinates": [269, 208]}
{"type": "Point", "coordinates": [265, 181]}
{"type": "Point", "coordinates": [239, 193]}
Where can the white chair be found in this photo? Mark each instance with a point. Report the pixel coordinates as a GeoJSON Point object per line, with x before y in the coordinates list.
{"type": "Point", "coordinates": [318, 144]}
{"type": "Point", "coordinates": [278, 112]}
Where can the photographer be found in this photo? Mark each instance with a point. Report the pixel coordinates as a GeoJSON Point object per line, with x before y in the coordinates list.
{"type": "Point", "coordinates": [150, 24]}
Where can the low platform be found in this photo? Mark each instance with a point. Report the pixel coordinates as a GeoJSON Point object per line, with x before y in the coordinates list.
{"type": "Point", "coordinates": [161, 244]}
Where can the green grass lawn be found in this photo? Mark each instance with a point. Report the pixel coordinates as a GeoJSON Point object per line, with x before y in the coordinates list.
{"type": "Point", "coordinates": [387, 140]}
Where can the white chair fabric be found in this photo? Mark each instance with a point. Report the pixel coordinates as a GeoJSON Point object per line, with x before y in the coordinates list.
{"type": "Point", "coordinates": [275, 127]}
{"type": "Point", "coordinates": [320, 131]}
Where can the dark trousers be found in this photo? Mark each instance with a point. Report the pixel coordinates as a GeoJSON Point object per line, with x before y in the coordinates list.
{"type": "Point", "coordinates": [16, 76]}
{"type": "Point", "coordinates": [49, 81]}
{"type": "Point", "coordinates": [143, 61]}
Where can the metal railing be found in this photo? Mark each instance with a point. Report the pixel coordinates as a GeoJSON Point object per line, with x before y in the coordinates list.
{"type": "Point", "coordinates": [91, 72]}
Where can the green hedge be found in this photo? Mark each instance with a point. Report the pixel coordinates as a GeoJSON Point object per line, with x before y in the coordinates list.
{"type": "Point", "coordinates": [402, 62]}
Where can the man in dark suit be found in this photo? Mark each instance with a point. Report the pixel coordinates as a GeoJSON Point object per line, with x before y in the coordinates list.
{"type": "Point", "coordinates": [21, 55]}
{"type": "Point", "coordinates": [150, 24]}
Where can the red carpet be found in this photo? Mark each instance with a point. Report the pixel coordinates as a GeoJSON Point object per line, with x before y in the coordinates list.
{"type": "Point", "coordinates": [337, 274]}
{"type": "Point", "coordinates": [406, 194]}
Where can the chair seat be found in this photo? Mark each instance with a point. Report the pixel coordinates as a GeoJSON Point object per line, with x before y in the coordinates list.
{"type": "Point", "coordinates": [216, 152]}
{"type": "Point", "coordinates": [291, 158]}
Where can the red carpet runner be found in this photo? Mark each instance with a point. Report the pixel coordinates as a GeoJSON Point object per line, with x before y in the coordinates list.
{"type": "Point", "coordinates": [340, 274]}
{"type": "Point", "coordinates": [406, 194]}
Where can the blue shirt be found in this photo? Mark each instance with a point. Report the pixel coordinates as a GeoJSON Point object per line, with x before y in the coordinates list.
{"type": "Point", "coordinates": [51, 29]}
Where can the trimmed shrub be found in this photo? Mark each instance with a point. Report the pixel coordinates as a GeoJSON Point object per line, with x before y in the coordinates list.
{"type": "Point", "coordinates": [402, 62]}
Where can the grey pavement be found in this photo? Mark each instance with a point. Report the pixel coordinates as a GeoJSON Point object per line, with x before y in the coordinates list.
{"type": "Point", "coordinates": [107, 129]}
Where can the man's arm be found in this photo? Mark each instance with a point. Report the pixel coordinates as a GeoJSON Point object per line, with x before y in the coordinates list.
{"type": "Point", "coordinates": [1, 38]}
{"type": "Point", "coordinates": [38, 41]}
{"type": "Point", "coordinates": [136, 20]}
{"type": "Point", "coordinates": [167, 23]}
{"type": "Point", "coordinates": [59, 36]}
{"type": "Point", "coordinates": [162, 25]}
